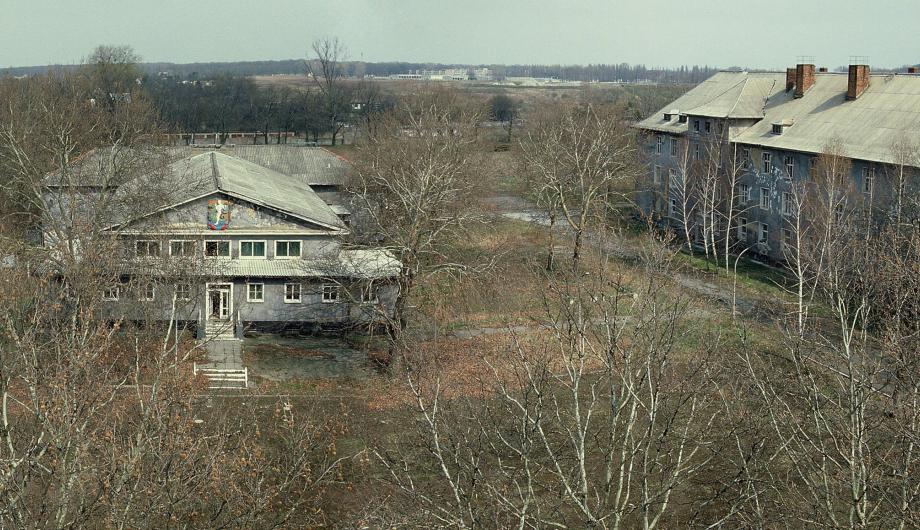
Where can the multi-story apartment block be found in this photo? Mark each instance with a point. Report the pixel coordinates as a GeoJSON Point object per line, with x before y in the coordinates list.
{"type": "Point", "coordinates": [769, 130]}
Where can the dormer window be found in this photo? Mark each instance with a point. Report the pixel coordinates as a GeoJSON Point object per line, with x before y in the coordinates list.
{"type": "Point", "coordinates": [781, 126]}
{"type": "Point", "coordinates": [667, 116]}
{"type": "Point", "coordinates": [682, 118]}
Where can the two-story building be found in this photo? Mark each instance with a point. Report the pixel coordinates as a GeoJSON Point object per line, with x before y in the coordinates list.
{"type": "Point", "coordinates": [224, 245]}
{"type": "Point", "coordinates": [770, 129]}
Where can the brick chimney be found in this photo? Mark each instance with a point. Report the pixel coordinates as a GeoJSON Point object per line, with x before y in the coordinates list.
{"type": "Point", "coordinates": [804, 78]}
{"type": "Point", "coordinates": [910, 70]}
{"type": "Point", "coordinates": [858, 80]}
{"type": "Point", "coordinates": [790, 79]}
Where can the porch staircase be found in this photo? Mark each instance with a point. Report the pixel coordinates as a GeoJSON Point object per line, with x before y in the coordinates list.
{"type": "Point", "coordinates": [224, 378]}
{"type": "Point", "coordinates": [219, 330]}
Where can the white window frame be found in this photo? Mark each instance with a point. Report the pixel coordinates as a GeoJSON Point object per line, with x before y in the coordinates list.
{"type": "Point", "coordinates": [744, 192]}
{"type": "Point", "coordinates": [114, 298]}
{"type": "Point", "coordinates": [147, 292]}
{"type": "Point", "coordinates": [788, 203]}
{"type": "Point", "coordinates": [766, 162]}
{"type": "Point", "coordinates": [293, 300]}
{"type": "Point", "coordinates": [672, 177]}
{"type": "Point", "coordinates": [253, 242]}
{"type": "Point", "coordinates": [746, 157]}
{"type": "Point", "coordinates": [219, 242]}
{"type": "Point", "coordinates": [288, 242]}
{"type": "Point", "coordinates": [672, 207]}
{"type": "Point", "coordinates": [656, 174]}
{"type": "Point", "coordinates": [789, 164]}
{"type": "Point", "coordinates": [331, 293]}
{"type": "Point", "coordinates": [186, 296]}
{"type": "Point", "coordinates": [183, 243]}
{"type": "Point", "coordinates": [765, 198]}
{"type": "Point", "coordinates": [148, 244]}
{"type": "Point", "coordinates": [763, 235]}
{"type": "Point", "coordinates": [659, 144]}
{"type": "Point", "coordinates": [696, 125]}
{"type": "Point", "coordinates": [674, 147]}
{"type": "Point", "coordinates": [249, 298]}
{"type": "Point", "coordinates": [707, 127]}
{"type": "Point", "coordinates": [787, 236]}
{"type": "Point", "coordinates": [742, 229]}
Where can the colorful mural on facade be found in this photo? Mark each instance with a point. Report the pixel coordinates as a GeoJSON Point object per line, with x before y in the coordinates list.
{"type": "Point", "coordinates": [218, 214]}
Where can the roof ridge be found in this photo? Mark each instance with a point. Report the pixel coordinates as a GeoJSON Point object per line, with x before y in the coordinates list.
{"type": "Point", "coordinates": [215, 173]}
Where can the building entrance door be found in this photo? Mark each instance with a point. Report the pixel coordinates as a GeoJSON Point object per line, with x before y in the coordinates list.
{"type": "Point", "coordinates": [219, 302]}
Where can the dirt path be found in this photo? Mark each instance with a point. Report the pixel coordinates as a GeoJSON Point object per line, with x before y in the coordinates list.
{"type": "Point", "coordinates": [513, 207]}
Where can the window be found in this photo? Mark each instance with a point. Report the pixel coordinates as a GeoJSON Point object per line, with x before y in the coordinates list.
{"type": "Point", "coordinates": [657, 175]}
{"type": "Point", "coordinates": [682, 118]}
{"type": "Point", "coordinates": [696, 125]}
{"type": "Point", "coordinates": [330, 293]}
{"type": "Point", "coordinates": [667, 117]}
{"type": "Point", "coordinates": [788, 204]}
{"type": "Point", "coordinates": [182, 248]}
{"type": "Point", "coordinates": [659, 145]}
{"type": "Point", "coordinates": [765, 198]}
{"type": "Point", "coordinates": [255, 292]}
{"type": "Point", "coordinates": [672, 208]}
{"type": "Point", "coordinates": [868, 175]}
{"type": "Point", "coordinates": [744, 192]}
{"type": "Point", "coordinates": [146, 293]}
{"type": "Point", "coordinates": [183, 292]}
{"type": "Point", "coordinates": [672, 177]}
{"type": "Point", "coordinates": [217, 249]}
{"type": "Point", "coordinates": [719, 128]}
{"type": "Point", "coordinates": [697, 151]}
{"type": "Point", "coordinates": [777, 128]}
{"type": "Point", "coordinates": [252, 249]}
{"type": "Point", "coordinates": [674, 146]}
{"type": "Point", "coordinates": [287, 249]}
{"type": "Point", "coordinates": [767, 162]}
{"type": "Point", "coordinates": [292, 293]}
{"type": "Point", "coordinates": [789, 163]}
{"type": "Point", "coordinates": [110, 294]}
{"type": "Point", "coordinates": [369, 293]}
{"type": "Point", "coordinates": [746, 157]}
{"type": "Point", "coordinates": [147, 249]}
{"type": "Point", "coordinates": [788, 239]}
{"type": "Point", "coordinates": [707, 126]}
{"type": "Point", "coordinates": [742, 229]}
{"type": "Point", "coordinates": [764, 233]}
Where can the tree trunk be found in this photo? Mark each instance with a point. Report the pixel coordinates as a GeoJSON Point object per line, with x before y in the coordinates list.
{"type": "Point", "coordinates": [551, 251]}
{"type": "Point", "coordinates": [576, 252]}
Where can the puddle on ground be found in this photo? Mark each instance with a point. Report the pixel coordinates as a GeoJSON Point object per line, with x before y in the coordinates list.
{"type": "Point", "coordinates": [278, 358]}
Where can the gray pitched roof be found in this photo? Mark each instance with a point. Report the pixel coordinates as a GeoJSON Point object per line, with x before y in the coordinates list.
{"type": "Point", "coordinates": [737, 95]}
{"type": "Point", "coordinates": [314, 166]}
{"type": "Point", "coordinates": [212, 172]}
{"type": "Point", "coordinates": [867, 127]}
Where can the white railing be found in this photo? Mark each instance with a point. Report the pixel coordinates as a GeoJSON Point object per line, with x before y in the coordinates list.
{"type": "Point", "coordinates": [221, 378]}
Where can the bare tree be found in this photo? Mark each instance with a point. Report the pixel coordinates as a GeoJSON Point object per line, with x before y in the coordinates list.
{"type": "Point", "coordinates": [579, 154]}
{"type": "Point", "coordinates": [415, 183]}
{"type": "Point", "coordinates": [327, 74]}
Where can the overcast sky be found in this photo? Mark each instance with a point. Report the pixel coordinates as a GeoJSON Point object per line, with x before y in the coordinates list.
{"type": "Point", "coordinates": [753, 33]}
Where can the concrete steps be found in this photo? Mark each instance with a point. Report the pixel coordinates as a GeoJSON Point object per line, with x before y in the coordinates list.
{"type": "Point", "coordinates": [224, 378]}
